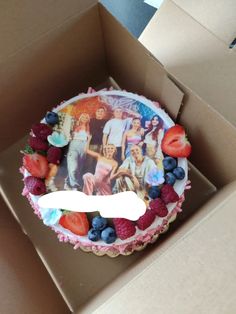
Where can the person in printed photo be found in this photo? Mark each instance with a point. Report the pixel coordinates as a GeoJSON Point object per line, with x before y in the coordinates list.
{"type": "Point", "coordinates": [100, 182]}
{"type": "Point", "coordinates": [76, 155]}
{"type": "Point", "coordinates": [133, 173]}
{"type": "Point", "coordinates": [114, 129]}
{"type": "Point", "coordinates": [132, 137]}
{"type": "Point", "coordinates": [153, 136]}
{"type": "Point", "coordinates": [96, 131]}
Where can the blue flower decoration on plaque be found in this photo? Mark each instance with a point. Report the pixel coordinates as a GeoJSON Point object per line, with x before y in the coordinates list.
{"type": "Point", "coordinates": [57, 139]}
{"type": "Point", "coordinates": [155, 177]}
{"type": "Point", "coordinates": [50, 216]}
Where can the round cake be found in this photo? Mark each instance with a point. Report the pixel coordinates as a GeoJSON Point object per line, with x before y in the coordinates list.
{"type": "Point", "coordinates": [103, 143]}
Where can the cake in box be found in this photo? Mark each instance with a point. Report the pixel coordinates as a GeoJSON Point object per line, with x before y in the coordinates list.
{"type": "Point", "coordinates": [103, 143]}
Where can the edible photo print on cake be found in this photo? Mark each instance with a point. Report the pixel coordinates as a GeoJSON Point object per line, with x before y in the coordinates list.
{"type": "Point", "coordinates": [111, 144]}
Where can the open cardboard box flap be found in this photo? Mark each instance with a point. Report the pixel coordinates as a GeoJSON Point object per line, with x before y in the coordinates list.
{"type": "Point", "coordinates": [191, 39]}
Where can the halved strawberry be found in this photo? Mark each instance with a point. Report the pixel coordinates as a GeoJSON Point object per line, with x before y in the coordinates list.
{"type": "Point", "coordinates": [77, 223]}
{"type": "Point", "coordinates": [36, 164]}
{"type": "Point", "coordinates": [175, 143]}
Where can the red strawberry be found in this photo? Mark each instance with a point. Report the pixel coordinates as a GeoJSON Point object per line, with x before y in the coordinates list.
{"type": "Point", "coordinates": [159, 207]}
{"type": "Point", "coordinates": [41, 130]}
{"type": "Point", "coordinates": [124, 228]}
{"type": "Point", "coordinates": [175, 143]}
{"type": "Point", "coordinates": [146, 220]}
{"type": "Point", "coordinates": [168, 194]}
{"type": "Point", "coordinates": [36, 164]}
{"type": "Point", "coordinates": [37, 144]}
{"type": "Point", "coordinates": [77, 223]}
{"type": "Point", "coordinates": [54, 155]}
{"type": "Point", "coordinates": [35, 185]}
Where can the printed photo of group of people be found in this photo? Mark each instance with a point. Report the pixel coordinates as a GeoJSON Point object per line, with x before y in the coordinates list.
{"type": "Point", "coordinates": [115, 146]}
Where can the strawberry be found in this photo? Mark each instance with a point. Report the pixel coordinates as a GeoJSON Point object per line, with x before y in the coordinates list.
{"type": "Point", "coordinates": [41, 130]}
{"type": "Point", "coordinates": [175, 143]}
{"type": "Point", "coordinates": [76, 222]}
{"type": "Point", "coordinates": [54, 155]}
{"type": "Point", "coordinates": [36, 164]}
{"type": "Point", "coordinates": [124, 228]}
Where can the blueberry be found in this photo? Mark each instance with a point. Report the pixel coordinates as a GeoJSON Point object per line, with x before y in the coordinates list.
{"type": "Point", "coordinates": [169, 163]}
{"type": "Point", "coordinates": [154, 192]}
{"type": "Point", "coordinates": [179, 173]}
{"type": "Point", "coordinates": [52, 118]}
{"type": "Point", "coordinates": [170, 178]}
{"type": "Point", "coordinates": [108, 235]}
{"type": "Point", "coordinates": [99, 223]}
{"type": "Point", "coordinates": [94, 235]}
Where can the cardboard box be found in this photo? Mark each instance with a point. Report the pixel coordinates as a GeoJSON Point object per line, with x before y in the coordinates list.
{"type": "Point", "coordinates": [61, 51]}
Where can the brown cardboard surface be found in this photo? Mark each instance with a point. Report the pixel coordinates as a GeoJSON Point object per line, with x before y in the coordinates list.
{"type": "Point", "coordinates": [145, 75]}
{"type": "Point", "coordinates": [219, 16]}
{"type": "Point", "coordinates": [194, 55]}
{"type": "Point", "coordinates": [81, 276]}
{"type": "Point", "coordinates": [22, 22]}
{"type": "Point", "coordinates": [52, 69]}
{"type": "Point", "coordinates": [26, 287]}
{"type": "Point", "coordinates": [197, 275]}
{"type": "Point", "coordinates": [58, 67]}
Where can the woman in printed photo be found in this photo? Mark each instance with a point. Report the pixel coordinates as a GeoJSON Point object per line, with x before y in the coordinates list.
{"type": "Point", "coordinates": [152, 140]}
{"type": "Point", "coordinates": [77, 152]}
{"type": "Point", "coordinates": [132, 137]}
{"type": "Point", "coordinates": [100, 182]}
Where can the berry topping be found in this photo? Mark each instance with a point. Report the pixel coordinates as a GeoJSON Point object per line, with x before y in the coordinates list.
{"type": "Point", "coordinates": [99, 223]}
{"type": "Point", "coordinates": [169, 163]}
{"type": "Point", "coordinates": [94, 235]}
{"type": "Point", "coordinates": [170, 178]}
{"type": "Point", "coordinates": [179, 173]}
{"type": "Point", "coordinates": [175, 143]}
{"type": "Point", "coordinates": [41, 130]}
{"type": "Point", "coordinates": [108, 235]}
{"type": "Point", "coordinates": [54, 155]}
{"type": "Point", "coordinates": [36, 164]}
{"type": "Point", "coordinates": [35, 185]}
{"type": "Point", "coordinates": [154, 192]}
{"type": "Point", "coordinates": [52, 118]}
{"type": "Point", "coordinates": [168, 194]}
{"type": "Point", "coordinates": [146, 220]}
{"type": "Point", "coordinates": [77, 223]}
{"type": "Point", "coordinates": [124, 228]}
{"type": "Point", "coordinates": [159, 207]}
{"type": "Point", "coordinates": [37, 144]}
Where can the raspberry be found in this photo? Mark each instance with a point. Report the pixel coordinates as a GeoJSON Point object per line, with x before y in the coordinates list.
{"type": "Point", "coordinates": [37, 144]}
{"type": "Point", "coordinates": [41, 130]}
{"type": "Point", "coordinates": [54, 155]}
{"type": "Point", "coordinates": [159, 207]}
{"type": "Point", "coordinates": [168, 194]}
{"type": "Point", "coordinates": [146, 220]}
{"type": "Point", "coordinates": [35, 186]}
{"type": "Point", "coordinates": [124, 228]}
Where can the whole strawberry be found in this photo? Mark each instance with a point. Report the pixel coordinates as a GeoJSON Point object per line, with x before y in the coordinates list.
{"type": "Point", "coordinates": [54, 155]}
{"type": "Point", "coordinates": [35, 185]}
{"type": "Point", "coordinates": [41, 130]}
{"type": "Point", "coordinates": [124, 228]}
{"type": "Point", "coordinates": [168, 194]}
{"type": "Point", "coordinates": [36, 164]}
{"type": "Point", "coordinates": [37, 144]}
{"type": "Point", "coordinates": [159, 207]}
{"type": "Point", "coordinates": [146, 220]}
